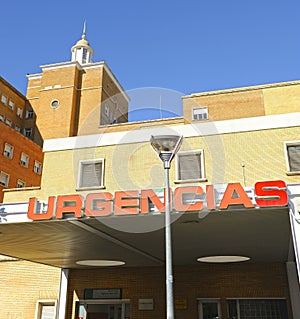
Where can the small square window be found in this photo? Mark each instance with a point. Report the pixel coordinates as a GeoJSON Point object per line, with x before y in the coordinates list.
{"type": "Point", "coordinates": [20, 112]}
{"type": "Point", "coordinates": [20, 184]}
{"type": "Point", "coordinates": [292, 152]}
{"type": "Point", "coordinates": [28, 131]}
{"type": "Point", "coordinates": [24, 160]}
{"type": "Point", "coordinates": [91, 173]}
{"type": "Point", "coordinates": [200, 113]}
{"type": "Point", "coordinates": [37, 167]}
{"type": "Point", "coordinates": [4, 179]}
{"type": "Point", "coordinates": [8, 150]}
{"type": "Point", "coordinates": [11, 104]}
{"type": "Point", "coordinates": [8, 122]}
{"type": "Point", "coordinates": [29, 114]}
{"type": "Point", "coordinates": [4, 99]}
{"type": "Point", "coordinates": [190, 166]}
{"type": "Point", "coordinates": [45, 309]}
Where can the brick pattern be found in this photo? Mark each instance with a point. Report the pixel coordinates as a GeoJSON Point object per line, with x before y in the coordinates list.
{"type": "Point", "coordinates": [22, 284]}
{"type": "Point", "coordinates": [203, 281]}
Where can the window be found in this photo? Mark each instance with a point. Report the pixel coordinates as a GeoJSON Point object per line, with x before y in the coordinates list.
{"type": "Point", "coordinates": [45, 309]}
{"type": "Point", "coordinates": [91, 173]}
{"type": "Point", "coordinates": [292, 152]}
{"type": "Point", "coordinates": [8, 122]}
{"type": "Point", "coordinates": [200, 113]}
{"type": "Point", "coordinates": [24, 160]}
{"type": "Point", "coordinates": [4, 178]}
{"type": "Point", "coordinates": [55, 104]}
{"type": "Point", "coordinates": [17, 128]}
{"type": "Point", "coordinates": [29, 114]}
{"type": "Point", "coordinates": [8, 150]}
{"type": "Point", "coordinates": [257, 308]}
{"type": "Point", "coordinates": [190, 166]}
{"type": "Point", "coordinates": [20, 184]}
{"type": "Point", "coordinates": [28, 132]}
{"type": "Point", "coordinates": [19, 112]}
{"type": "Point", "coordinates": [84, 55]}
{"type": "Point", "coordinates": [2, 118]}
{"type": "Point", "coordinates": [37, 167]}
{"type": "Point", "coordinates": [4, 99]}
{"type": "Point", "coordinates": [11, 104]}
{"type": "Point", "coordinates": [106, 110]}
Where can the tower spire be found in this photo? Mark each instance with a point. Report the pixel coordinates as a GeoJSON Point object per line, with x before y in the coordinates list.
{"type": "Point", "coordinates": [81, 51]}
{"type": "Point", "coordinates": [84, 29]}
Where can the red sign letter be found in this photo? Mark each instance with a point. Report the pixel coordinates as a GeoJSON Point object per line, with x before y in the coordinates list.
{"type": "Point", "coordinates": [273, 193]}
{"type": "Point", "coordinates": [75, 208]}
{"type": "Point", "coordinates": [235, 195]}
{"type": "Point", "coordinates": [98, 204]}
{"type": "Point", "coordinates": [126, 203]}
{"type": "Point", "coordinates": [32, 214]}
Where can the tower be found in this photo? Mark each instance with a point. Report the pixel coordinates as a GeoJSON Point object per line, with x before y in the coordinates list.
{"type": "Point", "coordinates": [67, 95]}
{"type": "Point", "coordinates": [81, 51]}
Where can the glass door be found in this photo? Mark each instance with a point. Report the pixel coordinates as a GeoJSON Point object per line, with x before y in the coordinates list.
{"type": "Point", "coordinates": [103, 309]}
{"type": "Point", "coordinates": [209, 309]}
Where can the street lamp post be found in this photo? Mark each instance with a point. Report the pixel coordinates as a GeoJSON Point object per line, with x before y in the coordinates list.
{"type": "Point", "coordinates": [166, 146]}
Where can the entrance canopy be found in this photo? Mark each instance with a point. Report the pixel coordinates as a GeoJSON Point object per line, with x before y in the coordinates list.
{"type": "Point", "coordinates": [262, 234]}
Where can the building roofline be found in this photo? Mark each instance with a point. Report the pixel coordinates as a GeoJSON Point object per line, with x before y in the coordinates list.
{"type": "Point", "coordinates": [12, 88]}
{"type": "Point", "coordinates": [82, 67]}
{"type": "Point", "coordinates": [242, 89]}
{"type": "Point", "coordinates": [203, 129]}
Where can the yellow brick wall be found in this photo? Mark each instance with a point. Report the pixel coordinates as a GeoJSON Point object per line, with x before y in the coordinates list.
{"type": "Point", "coordinates": [277, 98]}
{"type": "Point", "coordinates": [22, 284]}
{"type": "Point", "coordinates": [262, 153]}
{"type": "Point", "coordinates": [224, 106]}
{"type": "Point", "coordinates": [190, 283]}
{"type": "Point", "coordinates": [285, 99]}
{"type": "Point", "coordinates": [54, 123]}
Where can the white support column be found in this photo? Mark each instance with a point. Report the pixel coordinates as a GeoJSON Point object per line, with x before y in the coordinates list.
{"type": "Point", "coordinates": [62, 299]}
{"type": "Point", "coordinates": [294, 288]}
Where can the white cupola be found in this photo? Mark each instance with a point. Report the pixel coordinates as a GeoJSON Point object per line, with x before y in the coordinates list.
{"type": "Point", "coordinates": [81, 51]}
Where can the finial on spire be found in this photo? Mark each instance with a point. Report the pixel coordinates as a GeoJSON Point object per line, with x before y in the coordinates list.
{"type": "Point", "coordinates": [84, 29]}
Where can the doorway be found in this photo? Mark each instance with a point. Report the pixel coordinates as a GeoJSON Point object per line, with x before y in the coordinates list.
{"type": "Point", "coordinates": [103, 309]}
{"type": "Point", "coordinates": [209, 309]}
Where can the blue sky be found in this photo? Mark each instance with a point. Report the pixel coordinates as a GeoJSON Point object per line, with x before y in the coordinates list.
{"type": "Point", "coordinates": [179, 46]}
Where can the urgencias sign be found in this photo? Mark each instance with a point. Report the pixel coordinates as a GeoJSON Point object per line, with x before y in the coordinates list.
{"type": "Point", "coordinates": [267, 194]}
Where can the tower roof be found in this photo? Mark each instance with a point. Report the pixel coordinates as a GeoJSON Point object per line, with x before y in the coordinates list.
{"type": "Point", "coordinates": [82, 51]}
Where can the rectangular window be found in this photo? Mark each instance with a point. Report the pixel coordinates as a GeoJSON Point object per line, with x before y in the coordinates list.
{"type": "Point", "coordinates": [2, 118]}
{"type": "Point", "coordinates": [91, 173]}
{"type": "Point", "coordinates": [8, 150]}
{"type": "Point", "coordinates": [20, 112]}
{"type": "Point", "coordinates": [200, 113]}
{"type": "Point", "coordinates": [29, 114]}
{"type": "Point", "coordinates": [11, 104]}
{"type": "Point", "coordinates": [257, 308]}
{"type": "Point", "coordinates": [292, 152]}
{"type": "Point", "coordinates": [106, 110]}
{"type": "Point", "coordinates": [24, 160]}
{"type": "Point", "coordinates": [46, 309]}
{"type": "Point", "coordinates": [17, 128]}
{"type": "Point", "coordinates": [190, 166]}
{"type": "Point", "coordinates": [8, 122]}
{"type": "Point", "coordinates": [4, 179]}
{"type": "Point", "coordinates": [4, 99]}
{"type": "Point", "coordinates": [20, 184]}
{"type": "Point", "coordinates": [37, 167]}
{"type": "Point", "coordinates": [28, 131]}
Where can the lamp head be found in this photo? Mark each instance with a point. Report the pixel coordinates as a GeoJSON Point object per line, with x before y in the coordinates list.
{"type": "Point", "coordinates": [166, 146]}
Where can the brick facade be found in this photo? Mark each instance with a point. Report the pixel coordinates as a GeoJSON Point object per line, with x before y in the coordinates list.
{"type": "Point", "coordinates": [190, 283]}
